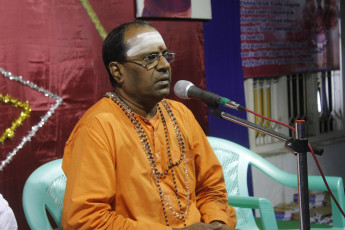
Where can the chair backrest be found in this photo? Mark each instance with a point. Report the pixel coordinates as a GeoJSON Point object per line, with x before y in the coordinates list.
{"type": "Point", "coordinates": [44, 191]}
{"type": "Point", "coordinates": [234, 160]}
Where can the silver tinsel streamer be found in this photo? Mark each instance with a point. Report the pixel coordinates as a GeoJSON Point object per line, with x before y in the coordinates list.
{"type": "Point", "coordinates": [43, 120]}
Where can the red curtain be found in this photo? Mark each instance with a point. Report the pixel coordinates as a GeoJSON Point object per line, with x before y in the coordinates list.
{"type": "Point", "coordinates": [54, 45]}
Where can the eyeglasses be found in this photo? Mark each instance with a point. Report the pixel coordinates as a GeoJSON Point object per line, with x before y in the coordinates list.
{"type": "Point", "coordinates": [152, 60]}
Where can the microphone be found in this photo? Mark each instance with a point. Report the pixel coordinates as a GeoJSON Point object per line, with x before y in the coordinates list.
{"type": "Point", "coordinates": [187, 90]}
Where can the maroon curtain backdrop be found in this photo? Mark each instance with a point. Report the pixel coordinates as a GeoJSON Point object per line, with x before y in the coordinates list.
{"type": "Point", "coordinates": [55, 45]}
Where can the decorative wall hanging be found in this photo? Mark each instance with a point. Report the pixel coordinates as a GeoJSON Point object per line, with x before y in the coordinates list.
{"type": "Point", "coordinates": [43, 120]}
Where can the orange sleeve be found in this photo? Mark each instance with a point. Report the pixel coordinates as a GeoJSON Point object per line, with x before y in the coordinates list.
{"type": "Point", "coordinates": [91, 185]}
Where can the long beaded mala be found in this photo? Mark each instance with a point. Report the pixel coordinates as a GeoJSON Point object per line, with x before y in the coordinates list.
{"type": "Point", "coordinates": [146, 145]}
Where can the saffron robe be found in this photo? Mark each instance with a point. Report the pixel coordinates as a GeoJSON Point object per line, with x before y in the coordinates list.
{"type": "Point", "coordinates": [110, 184]}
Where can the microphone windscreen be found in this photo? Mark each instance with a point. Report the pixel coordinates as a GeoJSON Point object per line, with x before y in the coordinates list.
{"type": "Point", "coordinates": [181, 88]}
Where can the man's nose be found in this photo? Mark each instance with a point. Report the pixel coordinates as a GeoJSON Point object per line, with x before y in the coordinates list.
{"type": "Point", "coordinates": [162, 63]}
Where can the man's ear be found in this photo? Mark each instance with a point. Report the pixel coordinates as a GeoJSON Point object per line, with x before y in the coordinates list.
{"type": "Point", "coordinates": [115, 70]}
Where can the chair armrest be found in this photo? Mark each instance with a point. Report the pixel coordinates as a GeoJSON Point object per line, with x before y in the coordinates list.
{"type": "Point", "coordinates": [265, 207]}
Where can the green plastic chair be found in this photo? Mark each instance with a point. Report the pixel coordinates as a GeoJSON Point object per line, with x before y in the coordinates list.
{"type": "Point", "coordinates": [235, 160]}
{"type": "Point", "coordinates": [44, 191]}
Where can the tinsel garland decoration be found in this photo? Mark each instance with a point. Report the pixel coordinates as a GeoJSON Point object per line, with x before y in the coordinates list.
{"type": "Point", "coordinates": [43, 120]}
{"type": "Point", "coordinates": [25, 113]}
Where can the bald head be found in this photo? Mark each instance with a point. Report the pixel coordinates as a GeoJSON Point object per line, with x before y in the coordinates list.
{"type": "Point", "coordinates": [114, 47]}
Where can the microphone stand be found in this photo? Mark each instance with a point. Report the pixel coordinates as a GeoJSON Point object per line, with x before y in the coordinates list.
{"type": "Point", "coordinates": [298, 145]}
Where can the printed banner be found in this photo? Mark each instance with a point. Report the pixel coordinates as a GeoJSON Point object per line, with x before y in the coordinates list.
{"type": "Point", "coordinates": [281, 37]}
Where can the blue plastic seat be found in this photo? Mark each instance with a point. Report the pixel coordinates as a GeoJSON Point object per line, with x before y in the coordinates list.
{"type": "Point", "coordinates": [235, 160]}
{"type": "Point", "coordinates": [44, 191]}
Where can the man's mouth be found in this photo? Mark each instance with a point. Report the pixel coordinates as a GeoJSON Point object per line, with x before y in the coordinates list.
{"type": "Point", "coordinates": [164, 81]}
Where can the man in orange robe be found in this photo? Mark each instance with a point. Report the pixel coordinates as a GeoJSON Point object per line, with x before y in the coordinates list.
{"type": "Point", "coordinates": [136, 160]}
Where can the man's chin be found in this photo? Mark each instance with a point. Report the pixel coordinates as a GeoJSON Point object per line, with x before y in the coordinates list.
{"type": "Point", "coordinates": [163, 93]}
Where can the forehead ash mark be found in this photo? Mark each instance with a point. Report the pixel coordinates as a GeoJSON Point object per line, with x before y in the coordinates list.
{"type": "Point", "coordinates": [144, 42]}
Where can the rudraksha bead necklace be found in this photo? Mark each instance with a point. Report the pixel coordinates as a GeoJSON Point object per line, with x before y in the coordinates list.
{"type": "Point", "coordinates": [146, 145]}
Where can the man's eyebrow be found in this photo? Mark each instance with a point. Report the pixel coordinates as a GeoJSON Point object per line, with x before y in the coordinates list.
{"type": "Point", "coordinates": [149, 53]}
{"type": "Point", "coordinates": [157, 51]}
